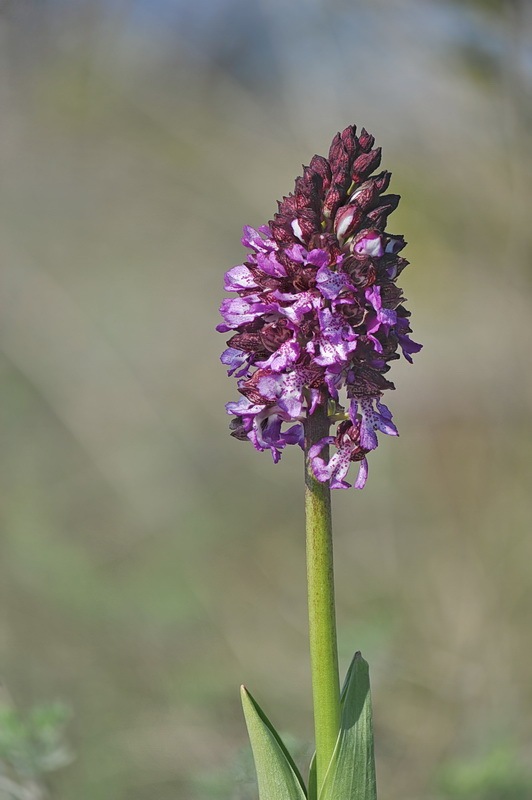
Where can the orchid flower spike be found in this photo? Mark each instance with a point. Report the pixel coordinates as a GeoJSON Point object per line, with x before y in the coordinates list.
{"type": "Point", "coordinates": [318, 316]}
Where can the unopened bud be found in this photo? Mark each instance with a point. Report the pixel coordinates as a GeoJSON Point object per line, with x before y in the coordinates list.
{"type": "Point", "coordinates": [365, 164]}
{"type": "Point", "coordinates": [346, 220]}
{"type": "Point", "coordinates": [365, 141]}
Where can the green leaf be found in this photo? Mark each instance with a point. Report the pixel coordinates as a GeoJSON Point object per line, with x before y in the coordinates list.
{"type": "Point", "coordinates": [277, 775]}
{"type": "Point", "coordinates": [351, 773]}
{"type": "Point", "coordinates": [312, 781]}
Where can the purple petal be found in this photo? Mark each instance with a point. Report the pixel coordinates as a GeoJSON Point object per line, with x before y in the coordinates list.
{"type": "Point", "coordinates": [297, 253]}
{"type": "Point", "coordinates": [375, 420]}
{"type": "Point", "coordinates": [234, 359]}
{"type": "Point", "coordinates": [383, 318]}
{"type": "Point", "coordinates": [294, 435]}
{"type": "Point", "coordinates": [332, 283]}
{"type": "Point", "coordinates": [254, 240]}
{"type": "Point", "coordinates": [283, 358]}
{"type": "Point", "coordinates": [339, 467]}
{"type": "Point", "coordinates": [318, 258]}
{"type": "Point", "coordinates": [244, 407]}
{"type": "Point", "coordinates": [239, 278]}
{"type": "Point", "coordinates": [320, 469]}
{"type": "Point", "coordinates": [269, 264]}
{"type": "Point", "coordinates": [373, 296]}
{"type": "Point", "coordinates": [368, 437]}
{"type": "Point", "coordinates": [266, 433]}
{"type": "Point", "coordinates": [337, 341]}
{"type": "Point", "coordinates": [334, 379]}
{"type": "Point", "coordinates": [300, 304]}
{"type": "Point", "coordinates": [362, 474]}
{"type": "Point", "coordinates": [237, 311]}
{"type": "Point", "coordinates": [383, 410]}
{"type": "Point", "coordinates": [408, 346]}
{"type": "Point", "coordinates": [314, 400]}
{"type": "Point", "coordinates": [285, 390]}
{"type": "Point", "coordinates": [316, 449]}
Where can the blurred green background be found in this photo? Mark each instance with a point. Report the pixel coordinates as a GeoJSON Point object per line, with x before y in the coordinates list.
{"type": "Point", "coordinates": [149, 563]}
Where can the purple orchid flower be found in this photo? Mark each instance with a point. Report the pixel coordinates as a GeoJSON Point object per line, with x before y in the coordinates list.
{"type": "Point", "coordinates": [318, 314]}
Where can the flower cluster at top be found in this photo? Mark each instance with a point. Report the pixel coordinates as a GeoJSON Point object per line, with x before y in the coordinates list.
{"type": "Point", "coordinates": [318, 312]}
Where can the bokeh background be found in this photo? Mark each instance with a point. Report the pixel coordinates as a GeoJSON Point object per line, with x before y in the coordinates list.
{"type": "Point", "coordinates": [148, 562]}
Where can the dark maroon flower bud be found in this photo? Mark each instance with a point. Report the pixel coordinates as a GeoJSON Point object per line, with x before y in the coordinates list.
{"type": "Point", "coordinates": [248, 342]}
{"type": "Point", "coordinates": [361, 269]}
{"type": "Point", "coordinates": [305, 279]}
{"type": "Point", "coordinates": [342, 151]}
{"type": "Point", "coordinates": [365, 164]}
{"type": "Point", "coordinates": [328, 242]}
{"type": "Point", "coordinates": [282, 232]}
{"type": "Point", "coordinates": [238, 430]}
{"type": "Point", "coordinates": [367, 382]}
{"type": "Point", "coordinates": [288, 205]}
{"type": "Point", "coordinates": [333, 199]}
{"type": "Point", "coordinates": [274, 334]}
{"type": "Point", "coordinates": [379, 215]}
{"type": "Point", "coordinates": [349, 140]}
{"type": "Point", "coordinates": [354, 313]}
{"type": "Point", "coordinates": [346, 220]}
{"type": "Point", "coordinates": [392, 266]}
{"type": "Point", "coordinates": [320, 166]}
{"type": "Point", "coordinates": [395, 244]}
{"type": "Point", "coordinates": [315, 183]}
{"type": "Point", "coordinates": [382, 180]}
{"type": "Point", "coordinates": [391, 295]}
{"type": "Point", "coordinates": [306, 193]}
{"type": "Point", "coordinates": [365, 195]}
{"type": "Point", "coordinates": [335, 149]}
{"type": "Point", "coordinates": [390, 201]}
{"type": "Point", "coordinates": [319, 179]}
{"type": "Point", "coordinates": [342, 180]}
{"type": "Point", "coordinates": [340, 166]}
{"type": "Point", "coordinates": [365, 141]}
{"type": "Point", "coordinates": [304, 224]}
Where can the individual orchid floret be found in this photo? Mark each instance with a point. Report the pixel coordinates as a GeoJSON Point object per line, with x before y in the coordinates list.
{"type": "Point", "coordinates": [347, 442]}
{"type": "Point", "coordinates": [369, 243]}
{"type": "Point", "coordinates": [318, 316]}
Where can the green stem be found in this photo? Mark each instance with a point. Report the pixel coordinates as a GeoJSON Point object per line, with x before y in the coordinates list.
{"type": "Point", "coordinates": [322, 617]}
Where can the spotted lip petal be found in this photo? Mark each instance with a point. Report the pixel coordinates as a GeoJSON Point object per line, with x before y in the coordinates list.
{"type": "Point", "coordinates": [318, 314]}
{"type": "Point", "coordinates": [337, 468]}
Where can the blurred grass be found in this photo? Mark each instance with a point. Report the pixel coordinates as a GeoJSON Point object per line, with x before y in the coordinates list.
{"type": "Point", "coordinates": [149, 563]}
